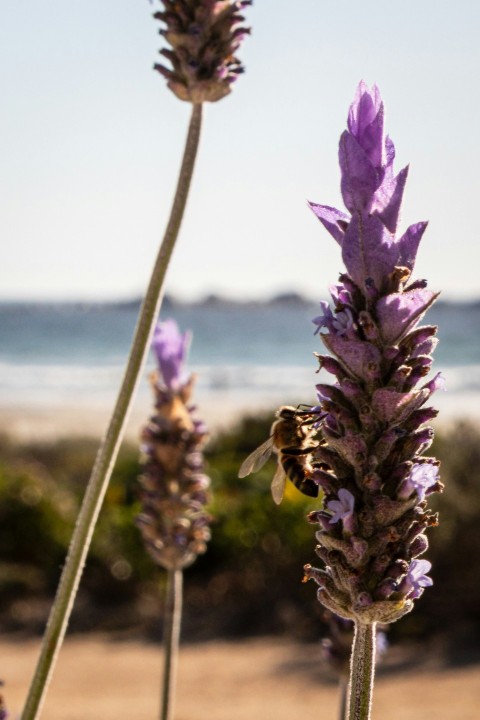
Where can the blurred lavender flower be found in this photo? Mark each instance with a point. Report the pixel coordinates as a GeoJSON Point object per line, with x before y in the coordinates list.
{"type": "Point", "coordinates": [204, 36]}
{"type": "Point", "coordinates": [337, 645]}
{"type": "Point", "coordinates": [4, 714]}
{"type": "Point", "coordinates": [173, 521]}
{"type": "Point", "coordinates": [373, 420]}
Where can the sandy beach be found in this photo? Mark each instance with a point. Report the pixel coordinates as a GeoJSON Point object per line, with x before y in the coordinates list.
{"type": "Point", "coordinates": [267, 679]}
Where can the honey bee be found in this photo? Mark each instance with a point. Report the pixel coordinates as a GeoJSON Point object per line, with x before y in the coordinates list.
{"type": "Point", "coordinates": [291, 440]}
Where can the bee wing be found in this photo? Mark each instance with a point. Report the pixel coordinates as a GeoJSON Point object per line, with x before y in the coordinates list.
{"type": "Point", "coordinates": [256, 459]}
{"type": "Point", "coordinates": [278, 484]}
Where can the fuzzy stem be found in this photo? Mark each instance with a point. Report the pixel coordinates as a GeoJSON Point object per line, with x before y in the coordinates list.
{"type": "Point", "coordinates": [107, 453]}
{"type": "Point", "coordinates": [343, 690]}
{"type": "Point", "coordinates": [171, 638]}
{"type": "Point", "coordinates": [362, 670]}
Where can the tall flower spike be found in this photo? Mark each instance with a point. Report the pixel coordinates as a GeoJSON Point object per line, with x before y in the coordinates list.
{"type": "Point", "coordinates": [373, 420]}
{"type": "Point", "coordinates": [173, 486]}
{"type": "Point", "coordinates": [204, 36]}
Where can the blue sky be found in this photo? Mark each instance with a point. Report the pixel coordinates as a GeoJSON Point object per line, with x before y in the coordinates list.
{"type": "Point", "coordinates": [90, 141]}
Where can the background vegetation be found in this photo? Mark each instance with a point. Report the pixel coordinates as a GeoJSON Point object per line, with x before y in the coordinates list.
{"type": "Point", "coordinates": [249, 582]}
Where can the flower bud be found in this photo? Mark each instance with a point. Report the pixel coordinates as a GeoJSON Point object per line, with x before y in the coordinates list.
{"type": "Point", "coordinates": [204, 36]}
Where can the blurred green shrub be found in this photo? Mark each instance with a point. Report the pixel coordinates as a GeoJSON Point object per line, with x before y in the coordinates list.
{"type": "Point", "coordinates": [249, 581]}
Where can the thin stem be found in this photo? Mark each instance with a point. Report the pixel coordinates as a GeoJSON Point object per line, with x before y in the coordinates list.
{"type": "Point", "coordinates": [108, 451]}
{"type": "Point", "coordinates": [171, 639]}
{"type": "Point", "coordinates": [362, 670]}
{"type": "Point", "coordinates": [343, 690]}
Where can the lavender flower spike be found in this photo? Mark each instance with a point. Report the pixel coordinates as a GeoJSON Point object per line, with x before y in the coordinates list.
{"type": "Point", "coordinates": [372, 422]}
{"type": "Point", "coordinates": [204, 36]}
{"type": "Point", "coordinates": [173, 486]}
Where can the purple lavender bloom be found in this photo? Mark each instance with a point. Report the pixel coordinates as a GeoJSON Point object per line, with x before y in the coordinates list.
{"type": "Point", "coordinates": [325, 320]}
{"type": "Point", "coordinates": [170, 347]}
{"type": "Point", "coordinates": [373, 195]}
{"type": "Point", "coordinates": [343, 322]}
{"type": "Point", "coordinates": [416, 579]}
{"type": "Point", "coordinates": [372, 423]}
{"type": "Point", "coordinates": [342, 508]}
{"type": "Point", "coordinates": [173, 488]}
{"type": "Point", "coordinates": [422, 477]}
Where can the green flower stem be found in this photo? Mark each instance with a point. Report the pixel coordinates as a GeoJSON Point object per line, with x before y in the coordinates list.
{"type": "Point", "coordinates": [107, 453]}
{"type": "Point", "coordinates": [362, 670]}
{"type": "Point", "coordinates": [171, 638]}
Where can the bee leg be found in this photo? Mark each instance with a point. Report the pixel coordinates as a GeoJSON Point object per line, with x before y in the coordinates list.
{"type": "Point", "coordinates": [297, 451]}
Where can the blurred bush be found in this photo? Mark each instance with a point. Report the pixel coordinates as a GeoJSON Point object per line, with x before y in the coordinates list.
{"type": "Point", "coordinates": [249, 581]}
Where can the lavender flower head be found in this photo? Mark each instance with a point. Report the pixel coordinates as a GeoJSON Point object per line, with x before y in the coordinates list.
{"type": "Point", "coordinates": [373, 421]}
{"type": "Point", "coordinates": [204, 36]}
{"type": "Point", "coordinates": [173, 486]}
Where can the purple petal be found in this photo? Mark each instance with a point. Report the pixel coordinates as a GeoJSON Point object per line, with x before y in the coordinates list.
{"type": "Point", "coordinates": [362, 358]}
{"type": "Point", "coordinates": [399, 312]}
{"type": "Point", "coordinates": [343, 322]}
{"type": "Point", "coordinates": [369, 250]}
{"type": "Point", "coordinates": [340, 294]}
{"type": "Point", "coordinates": [359, 177]}
{"type": "Point", "coordinates": [333, 220]}
{"type": "Point", "coordinates": [422, 477]}
{"type": "Point", "coordinates": [408, 244]}
{"type": "Point", "coordinates": [416, 578]}
{"type": "Point", "coordinates": [326, 319]}
{"type": "Point", "coordinates": [419, 569]}
{"type": "Point", "coordinates": [388, 199]}
{"type": "Point", "coordinates": [436, 383]}
{"type": "Point", "coordinates": [343, 507]}
{"type": "Point", "coordinates": [365, 121]}
{"type": "Point", "coordinates": [170, 347]}
{"type": "Point", "coordinates": [395, 407]}
{"type": "Point", "coordinates": [389, 154]}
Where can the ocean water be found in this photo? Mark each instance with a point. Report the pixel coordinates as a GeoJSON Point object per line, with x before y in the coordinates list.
{"type": "Point", "coordinates": [260, 354]}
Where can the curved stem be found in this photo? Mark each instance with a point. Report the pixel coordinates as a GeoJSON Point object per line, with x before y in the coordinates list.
{"type": "Point", "coordinates": [171, 639]}
{"type": "Point", "coordinates": [362, 670]}
{"type": "Point", "coordinates": [107, 453]}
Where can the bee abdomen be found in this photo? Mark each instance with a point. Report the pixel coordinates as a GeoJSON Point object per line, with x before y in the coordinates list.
{"type": "Point", "coordinates": [299, 475]}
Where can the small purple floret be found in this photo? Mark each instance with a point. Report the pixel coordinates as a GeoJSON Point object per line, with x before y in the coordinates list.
{"type": "Point", "coordinates": [416, 578]}
{"type": "Point", "coordinates": [422, 477]}
{"type": "Point", "coordinates": [325, 320]}
{"type": "Point", "coordinates": [170, 347]}
{"type": "Point", "coordinates": [342, 508]}
{"type": "Point", "coordinates": [437, 383]}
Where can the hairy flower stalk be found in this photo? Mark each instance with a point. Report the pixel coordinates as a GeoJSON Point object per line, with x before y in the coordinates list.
{"type": "Point", "coordinates": [337, 650]}
{"type": "Point", "coordinates": [373, 421]}
{"type": "Point", "coordinates": [204, 36]}
{"type": "Point", "coordinates": [173, 487]}
{"type": "Point", "coordinates": [208, 30]}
